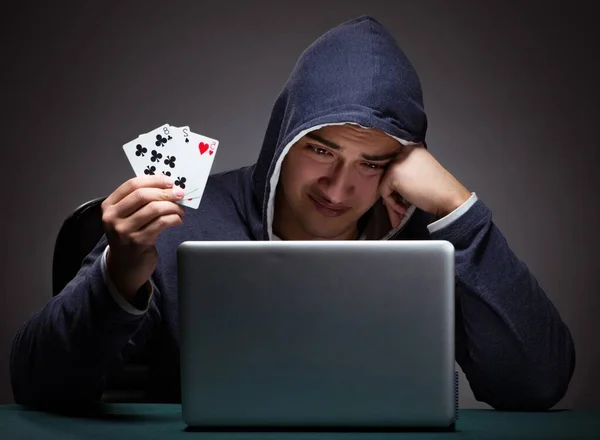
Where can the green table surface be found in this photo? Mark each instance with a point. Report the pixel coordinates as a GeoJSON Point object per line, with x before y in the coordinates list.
{"type": "Point", "coordinates": [163, 421]}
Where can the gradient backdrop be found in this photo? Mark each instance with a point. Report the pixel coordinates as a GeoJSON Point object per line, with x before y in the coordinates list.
{"type": "Point", "coordinates": [510, 89]}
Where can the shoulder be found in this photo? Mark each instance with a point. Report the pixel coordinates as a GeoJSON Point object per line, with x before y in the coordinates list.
{"type": "Point", "coordinates": [228, 187]}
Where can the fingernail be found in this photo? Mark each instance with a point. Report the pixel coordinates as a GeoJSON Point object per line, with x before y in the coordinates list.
{"type": "Point", "coordinates": [178, 192]}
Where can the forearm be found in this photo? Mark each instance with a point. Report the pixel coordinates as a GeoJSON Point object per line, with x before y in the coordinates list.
{"type": "Point", "coordinates": [511, 342]}
{"type": "Point", "coordinates": [62, 352]}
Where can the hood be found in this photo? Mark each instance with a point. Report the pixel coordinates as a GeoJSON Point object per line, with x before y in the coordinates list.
{"type": "Point", "coordinates": [354, 73]}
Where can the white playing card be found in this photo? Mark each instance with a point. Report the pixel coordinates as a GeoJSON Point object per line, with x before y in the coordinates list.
{"type": "Point", "coordinates": [177, 152]}
{"type": "Point", "coordinates": [183, 134]}
{"type": "Point", "coordinates": [158, 152]}
{"type": "Point", "coordinates": [181, 149]}
{"type": "Point", "coordinates": [163, 151]}
{"type": "Point", "coordinates": [146, 152]}
{"type": "Point", "coordinates": [198, 153]}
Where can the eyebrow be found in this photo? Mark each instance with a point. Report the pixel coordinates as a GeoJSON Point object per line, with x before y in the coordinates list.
{"type": "Point", "coordinates": [334, 146]}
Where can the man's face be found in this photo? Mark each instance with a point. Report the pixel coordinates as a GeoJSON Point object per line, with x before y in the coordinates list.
{"type": "Point", "coordinates": [329, 179]}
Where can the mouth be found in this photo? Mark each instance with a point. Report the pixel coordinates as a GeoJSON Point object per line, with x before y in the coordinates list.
{"type": "Point", "coordinates": [327, 209]}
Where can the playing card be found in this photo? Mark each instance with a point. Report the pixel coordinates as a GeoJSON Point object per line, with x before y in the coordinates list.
{"type": "Point", "coordinates": [158, 152]}
{"type": "Point", "coordinates": [182, 135]}
{"type": "Point", "coordinates": [146, 153]}
{"type": "Point", "coordinates": [198, 152]}
{"type": "Point", "coordinates": [177, 152]}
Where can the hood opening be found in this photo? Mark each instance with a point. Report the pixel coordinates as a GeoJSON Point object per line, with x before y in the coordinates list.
{"type": "Point", "coordinates": [355, 73]}
{"type": "Point", "coordinates": [378, 226]}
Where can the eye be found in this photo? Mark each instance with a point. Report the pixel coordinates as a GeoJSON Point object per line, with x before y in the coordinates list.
{"type": "Point", "coordinates": [374, 166]}
{"type": "Point", "coordinates": [318, 150]}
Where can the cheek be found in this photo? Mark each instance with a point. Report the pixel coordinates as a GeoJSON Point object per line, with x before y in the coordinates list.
{"type": "Point", "coordinates": [368, 190]}
{"type": "Point", "coordinates": [303, 173]}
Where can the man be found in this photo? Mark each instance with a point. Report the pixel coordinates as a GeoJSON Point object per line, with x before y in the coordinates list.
{"type": "Point", "coordinates": [344, 157]}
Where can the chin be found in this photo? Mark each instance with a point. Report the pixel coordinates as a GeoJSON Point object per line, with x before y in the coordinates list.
{"type": "Point", "coordinates": [325, 230]}
{"type": "Point", "coordinates": [322, 227]}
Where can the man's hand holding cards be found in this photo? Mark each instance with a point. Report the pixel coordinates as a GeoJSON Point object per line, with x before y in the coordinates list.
{"type": "Point", "coordinates": [184, 156]}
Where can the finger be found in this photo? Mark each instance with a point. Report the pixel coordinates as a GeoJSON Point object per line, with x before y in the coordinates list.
{"type": "Point", "coordinates": [148, 213]}
{"type": "Point", "coordinates": [148, 235]}
{"type": "Point", "coordinates": [142, 197]}
{"type": "Point", "coordinates": [392, 201]}
{"type": "Point", "coordinates": [398, 202]}
{"type": "Point", "coordinates": [131, 185]}
{"type": "Point", "coordinates": [394, 216]}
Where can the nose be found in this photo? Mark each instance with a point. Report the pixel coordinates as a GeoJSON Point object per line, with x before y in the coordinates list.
{"type": "Point", "coordinates": [338, 184]}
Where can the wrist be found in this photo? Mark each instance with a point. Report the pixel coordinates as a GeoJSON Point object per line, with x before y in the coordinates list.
{"type": "Point", "coordinates": [120, 281]}
{"type": "Point", "coordinates": [453, 203]}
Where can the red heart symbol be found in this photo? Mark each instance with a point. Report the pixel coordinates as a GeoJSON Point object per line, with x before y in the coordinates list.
{"type": "Point", "coordinates": [211, 152]}
{"type": "Point", "coordinates": [202, 147]}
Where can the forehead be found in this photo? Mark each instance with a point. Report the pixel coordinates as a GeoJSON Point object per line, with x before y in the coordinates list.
{"type": "Point", "coordinates": [354, 136]}
{"type": "Point", "coordinates": [350, 130]}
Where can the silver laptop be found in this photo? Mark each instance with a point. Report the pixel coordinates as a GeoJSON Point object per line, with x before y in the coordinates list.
{"type": "Point", "coordinates": [317, 335]}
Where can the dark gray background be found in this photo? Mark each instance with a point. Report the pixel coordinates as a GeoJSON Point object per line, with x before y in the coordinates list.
{"type": "Point", "coordinates": [510, 89]}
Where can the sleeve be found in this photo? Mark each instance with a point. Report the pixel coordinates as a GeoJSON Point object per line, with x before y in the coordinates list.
{"type": "Point", "coordinates": [511, 343]}
{"type": "Point", "coordinates": [116, 295]}
{"type": "Point", "coordinates": [453, 216]}
{"type": "Point", "coordinates": [62, 354]}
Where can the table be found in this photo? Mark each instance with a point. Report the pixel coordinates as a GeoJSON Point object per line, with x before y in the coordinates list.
{"type": "Point", "coordinates": [163, 421]}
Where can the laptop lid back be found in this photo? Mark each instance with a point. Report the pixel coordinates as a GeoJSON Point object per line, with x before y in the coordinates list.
{"type": "Point", "coordinates": [317, 334]}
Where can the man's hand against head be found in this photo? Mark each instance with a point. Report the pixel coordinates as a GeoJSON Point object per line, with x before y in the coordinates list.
{"type": "Point", "coordinates": [420, 179]}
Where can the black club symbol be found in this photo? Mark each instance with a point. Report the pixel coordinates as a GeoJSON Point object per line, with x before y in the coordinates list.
{"type": "Point", "coordinates": [140, 151]}
{"type": "Point", "coordinates": [156, 156]}
{"type": "Point", "coordinates": [167, 173]}
{"type": "Point", "coordinates": [160, 141]}
{"type": "Point", "coordinates": [150, 170]}
{"type": "Point", "coordinates": [170, 160]}
{"type": "Point", "coordinates": [180, 182]}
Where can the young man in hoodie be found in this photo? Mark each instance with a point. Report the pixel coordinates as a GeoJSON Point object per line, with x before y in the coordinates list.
{"type": "Point", "coordinates": [344, 157]}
